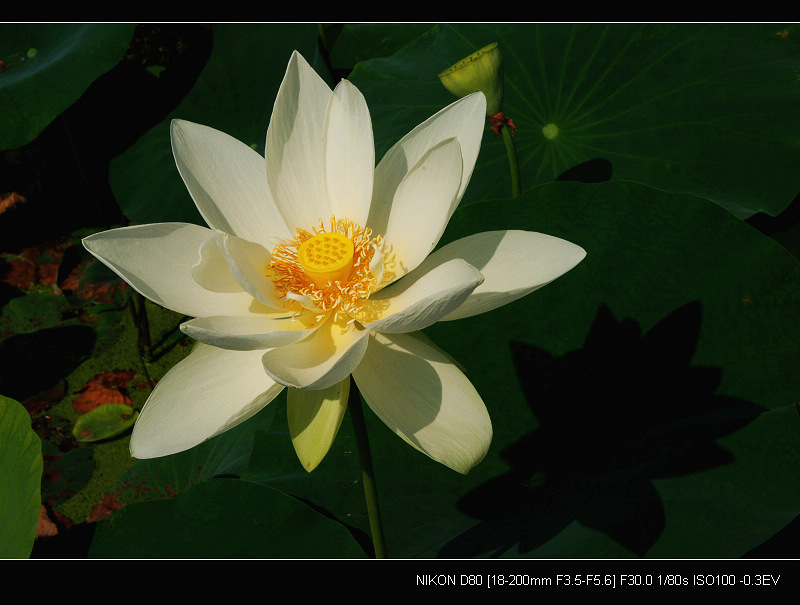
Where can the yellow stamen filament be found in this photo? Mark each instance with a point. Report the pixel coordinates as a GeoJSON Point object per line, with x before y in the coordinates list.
{"type": "Point", "coordinates": [329, 268]}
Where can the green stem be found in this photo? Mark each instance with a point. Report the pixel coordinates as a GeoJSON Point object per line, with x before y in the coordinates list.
{"type": "Point", "coordinates": [516, 187]}
{"type": "Point", "coordinates": [144, 329]}
{"type": "Point", "coordinates": [367, 472]}
{"type": "Point", "coordinates": [142, 325]}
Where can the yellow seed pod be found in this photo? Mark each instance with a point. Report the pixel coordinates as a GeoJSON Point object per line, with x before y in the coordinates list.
{"type": "Point", "coordinates": [481, 71]}
{"type": "Point", "coordinates": [327, 257]}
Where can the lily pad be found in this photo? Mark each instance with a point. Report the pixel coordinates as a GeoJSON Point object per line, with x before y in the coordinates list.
{"type": "Point", "coordinates": [658, 381]}
{"type": "Point", "coordinates": [47, 67]}
{"type": "Point", "coordinates": [104, 421]}
{"type": "Point", "coordinates": [225, 455]}
{"type": "Point", "coordinates": [644, 404]}
{"type": "Point", "coordinates": [354, 42]}
{"type": "Point", "coordinates": [223, 518]}
{"type": "Point", "coordinates": [21, 473]}
{"type": "Point", "coordinates": [695, 108]}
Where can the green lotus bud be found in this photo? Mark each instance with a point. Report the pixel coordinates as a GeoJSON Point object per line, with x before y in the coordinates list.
{"type": "Point", "coordinates": [481, 71]}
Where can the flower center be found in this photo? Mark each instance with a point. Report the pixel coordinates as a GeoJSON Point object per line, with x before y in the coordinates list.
{"type": "Point", "coordinates": [327, 258]}
{"type": "Point", "coordinates": [327, 269]}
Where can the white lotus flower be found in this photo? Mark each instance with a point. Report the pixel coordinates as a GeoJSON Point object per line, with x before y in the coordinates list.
{"type": "Point", "coordinates": [296, 280]}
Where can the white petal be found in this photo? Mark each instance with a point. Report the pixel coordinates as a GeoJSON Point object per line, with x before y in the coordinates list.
{"type": "Point", "coordinates": [157, 260]}
{"type": "Point", "coordinates": [422, 206]}
{"type": "Point", "coordinates": [420, 300]}
{"type": "Point", "coordinates": [249, 265]}
{"type": "Point", "coordinates": [212, 271]}
{"type": "Point", "coordinates": [294, 151]}
{"type": "Point", "coordinates": [228, 182]}
{"type": "Point", "coordinates": [306, 302]}
{"type": "Point", "coordinates": [465, 120]}
{"type": "Point", "coordinates": [514, 264]}
{"type": "Point", "coordinates": [208, 392]}
{"type": "Point", "coordinates": [425, 399]}
{"type": "Point", "coordinates": [249, 333]}
{"type": "Point", "coordinates": [349, 154]}
{"type": "Point", "coordinates": [376, 266]}
{"type": "Point", "coordinates": [314, 418]}
{"type": "Point", "coordinates": [321, 360]}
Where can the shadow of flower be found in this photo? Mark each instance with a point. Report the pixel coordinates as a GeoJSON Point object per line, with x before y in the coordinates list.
{"type": "Point", "coordinates": [625, 409]}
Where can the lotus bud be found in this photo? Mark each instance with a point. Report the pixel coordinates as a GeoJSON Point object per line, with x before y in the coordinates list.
{"type": "Point", "coordinates": [481, 71]}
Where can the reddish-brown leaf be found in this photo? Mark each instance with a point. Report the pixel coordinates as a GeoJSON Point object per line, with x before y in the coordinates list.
{"type": "Point", "coordinates": [9, 201]}
{"type": "Point", "coordinates": [82, 288]}
{"type": "Point", "coordinates": [46, 527]}
{"type": "Point", "coordinates": [44, 399]}
{"type": "Point", "coordinates": [17, 270]}
{"type": "Point", "coordinates": [105, 508]}
{"type": "Point", "coordinates": [104, 388]}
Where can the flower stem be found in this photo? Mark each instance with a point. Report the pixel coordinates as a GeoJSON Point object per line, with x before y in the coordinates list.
{"type": "Point", "coordinates": [516, 187]}
{"type": "Point", "coordinates": [143, 326]}
{"type": "Point", "coordinates": [367, 472]}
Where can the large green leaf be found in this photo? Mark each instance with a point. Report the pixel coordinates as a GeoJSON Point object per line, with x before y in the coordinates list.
{"type": "Point", "coordinates": [643, 404]}
{"type": "Point", "coordinates": [225, 455]}
{"type": "Point", "coordinates": [104, 421]}
{"type": "Point", "coordinates": [223, 518]}
{"type": "Point", "coordinates": [659, 378]}
{"type": "Point", "coordinates": [48, 66]}
{"type": "Point", "coordinates": [354, 42]}
{"type": "Point", "coordinates": [708, 109]}
{"type": "Point", "coordinates": [234, 94]}
{"type": "Point", "coordinates": [20, 480]}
